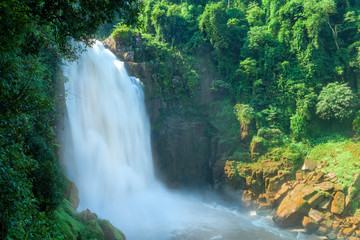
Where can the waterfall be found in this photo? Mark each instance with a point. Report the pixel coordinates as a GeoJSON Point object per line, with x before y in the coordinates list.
{"type": "Point", "coordinates": [112, 167]}
{"type": "Point", "coordinates": [111, 162]}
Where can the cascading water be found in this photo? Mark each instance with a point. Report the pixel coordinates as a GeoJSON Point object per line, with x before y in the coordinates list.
{"type": "Point", "coordinates": [111, 163]}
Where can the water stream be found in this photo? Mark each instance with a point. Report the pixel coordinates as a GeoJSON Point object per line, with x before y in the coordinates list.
{"type": "Point", "coordinates": [112, 166]}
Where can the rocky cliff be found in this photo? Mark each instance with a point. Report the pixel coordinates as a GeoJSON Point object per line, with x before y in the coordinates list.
{"type": "Point", "coordinates": [185, 146]}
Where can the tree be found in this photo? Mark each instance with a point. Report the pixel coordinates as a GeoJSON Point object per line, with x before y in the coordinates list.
{"type": "Point", "coordinates": [33, 35]}
{"type": "Point", "coordinates": [336, 101]}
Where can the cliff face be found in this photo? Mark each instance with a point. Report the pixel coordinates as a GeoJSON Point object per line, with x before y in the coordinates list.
{"type": "Point", "coordinates": [185, 146]}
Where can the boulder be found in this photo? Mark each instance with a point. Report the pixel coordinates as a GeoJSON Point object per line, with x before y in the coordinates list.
{"type": "Point", "coordinates": [87, 215]}
{"type": "Point", "coordinates": [310, 225]}
{"type": "Point", "coordinates": [348, 231]}
{"type": "Point", "coordinates": [309, 177]}
{"type": "Point", "coordinates": [294, 206]}
{"type": "Point", "coordinates": [352, 192]}
{"type": "Point", "coordinates": [289, 212]}
{"type": "Point", "coordinates": [325, 186]}
{"type": "Point", "coordinates": [72, 194]}
{"type": "Point", "coordinates": [322, 231]}
{"type": "Point", "coordinates": [325, 204]}
{"type": "Point", "coordinates": [247, 198]}
{"type": "Point", "coordinates": [280, 195]}
{"type": "Point", "coordinates": [309, 164]}
{"type": "Point", "coordinates": [331, 235]}
{"type": "Point", "coordinates": [316, 215]}
{"type": "Point", "coordinates": [338, 204]}
{"type": "Point", "coordinates": [316, 199]}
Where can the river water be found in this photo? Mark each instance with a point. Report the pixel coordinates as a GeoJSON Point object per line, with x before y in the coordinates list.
{"type": "Point", "coordinates": [111, 163]}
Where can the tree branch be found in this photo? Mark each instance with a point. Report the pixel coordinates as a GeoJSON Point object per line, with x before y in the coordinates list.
{"type": "Point", "coordinates": [333, 32]}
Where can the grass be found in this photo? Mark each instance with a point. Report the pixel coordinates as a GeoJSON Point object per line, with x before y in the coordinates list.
{"type": "Point", "coordinates": [339, 157]}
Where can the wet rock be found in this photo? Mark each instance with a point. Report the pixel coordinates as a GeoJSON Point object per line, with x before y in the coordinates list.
{"type": "Point", "coordinates": [262, 207]}
{"type": "Point", "coordinates": [72, 194]}
{"type": "Point", "coordinates": [331, 235]}
{"type": "Point", "coordinates": [338, 204]}
{"type": "Point", "coordinates": [247, 198]}
{"type": "Point", "coordinates": [310, 225]}
{"type": "Point", "coordinates": [322, 231]}
{"type": "Point", "coordinates": [290, 212]}
{"type": "Point", "coordinates": [294, 206]}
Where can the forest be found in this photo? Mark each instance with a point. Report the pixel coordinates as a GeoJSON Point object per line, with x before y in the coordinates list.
{"type": "Point", "coordinates": [285, 88]}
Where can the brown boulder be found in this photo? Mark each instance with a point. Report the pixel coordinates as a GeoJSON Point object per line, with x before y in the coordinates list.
{"type": "Point", "coordinates": [318, 177]}
{"type": "Point", "coordinates": [310, 225]}
{"type": "Point", "coordinates": [352, 192]}
{"type": "Point", "coordinates": [338, 204]}
{"type": "Point", "coordinates": [309, 165]}
{"type": "Point", "coordinates": [280, 195]}
{"type": "Point", "coordinates": [348, 231]}
{"type": "Point", "coordinates": [294, 206]}
{"type": "Point", "coordinates": [324, 205]}
{"type": "Point", "coordinates": [316, 199]}
{"type": "Point", "coordinates": [290, 212]}
{"type": "Point", "coordinates": [331, 236]}
{"type": "Point", "coordinates": [247, 198]}
{"type": "Point", "coordinates": [322, 231]}
{"type": "Point", "coordinates": [316, 215]}
{"type": "Point", "coordinates": [325, 186]}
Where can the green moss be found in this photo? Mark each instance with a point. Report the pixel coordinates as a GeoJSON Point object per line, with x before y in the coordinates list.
{"type": "Point", "coordinates": [75, 226]}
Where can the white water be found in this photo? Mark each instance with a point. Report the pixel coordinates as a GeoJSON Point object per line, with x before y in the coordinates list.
{"type": "Point", "coordinates": [112, 165]}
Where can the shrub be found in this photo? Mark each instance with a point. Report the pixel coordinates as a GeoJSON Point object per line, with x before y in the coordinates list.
{"type": "Point", "coordinates": [336, 101]}
{"type": "Point", "coordinates": [244, 113]}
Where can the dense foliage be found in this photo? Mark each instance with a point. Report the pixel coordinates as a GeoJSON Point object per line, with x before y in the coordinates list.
{"type": "Point", "coordinates": [33, 36]}
{"type": "Point", "coordinates": [287, 65]}
{"type": "Point", "coordinates": [273, 56]}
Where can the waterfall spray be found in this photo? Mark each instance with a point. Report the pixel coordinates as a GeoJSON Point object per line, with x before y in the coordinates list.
{"type": "Point", "coordinates": [111, 163]}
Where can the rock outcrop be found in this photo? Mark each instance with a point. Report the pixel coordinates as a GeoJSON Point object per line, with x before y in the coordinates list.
{"type": "Point", "coordinates": [185, 148]}
{"type": "Point", "coordinates": [311, 199]}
